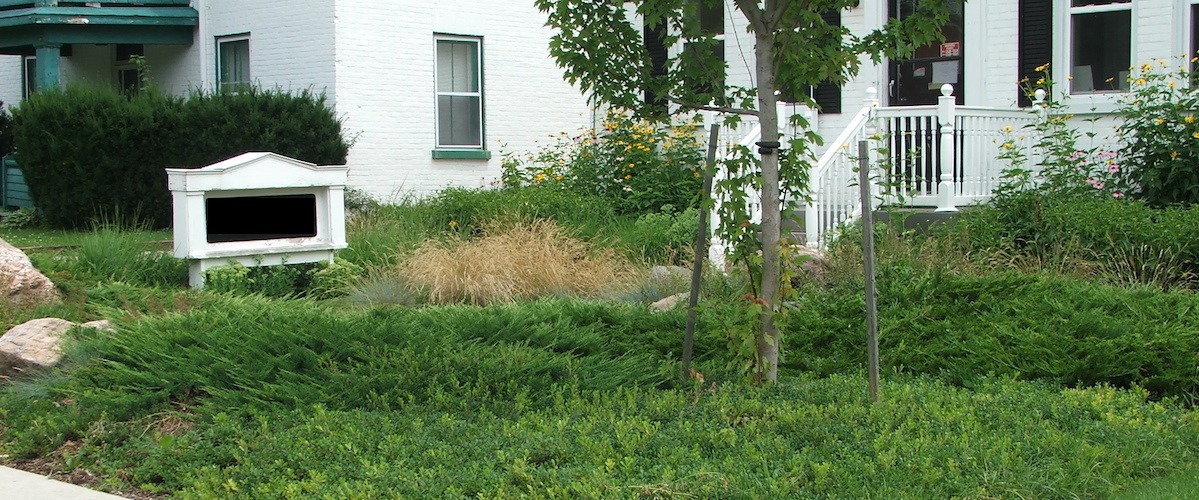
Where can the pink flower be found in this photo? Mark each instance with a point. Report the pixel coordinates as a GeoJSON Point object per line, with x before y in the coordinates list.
{"type": "Point", "coordinates": [1113, 169]}
{"type": "Point", "coordinates": [1117, 194]}
{"type": "Point", "coordinates": [1099, 185]}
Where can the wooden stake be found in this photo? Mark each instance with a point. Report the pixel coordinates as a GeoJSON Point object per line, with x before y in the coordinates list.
{"type": "Point", "coordinates": [701, 250]}
{"type": "Point", "coordinates": [868, 252]}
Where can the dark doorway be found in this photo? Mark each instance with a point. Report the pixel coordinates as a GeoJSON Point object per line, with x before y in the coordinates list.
{"type": "Point", "coordinates": [917, 81]}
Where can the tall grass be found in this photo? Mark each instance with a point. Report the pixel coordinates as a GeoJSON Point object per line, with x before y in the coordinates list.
{"type": "Point", "coordinates": [511, 262]}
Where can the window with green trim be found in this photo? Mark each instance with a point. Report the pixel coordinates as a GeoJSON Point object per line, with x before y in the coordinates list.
{"type": "Point", "coordinates": [233, 62]}
{"type": "Point", "coordinates": [459, 75]}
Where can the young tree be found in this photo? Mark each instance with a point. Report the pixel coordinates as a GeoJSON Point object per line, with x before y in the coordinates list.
{"type": "Point", "coordinates": [625, 65]}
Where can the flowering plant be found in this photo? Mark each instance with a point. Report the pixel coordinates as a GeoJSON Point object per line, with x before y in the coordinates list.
{"type": "Point", "coordinates": [1060, 159]}
{"type": "Point", "coordinates": [1160, 133]}
{"type": "Point", "coordinates": [639, 166]}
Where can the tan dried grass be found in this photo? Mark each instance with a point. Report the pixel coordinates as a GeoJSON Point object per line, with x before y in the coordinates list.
{"type": "Point", "coordinates": [514, 261]}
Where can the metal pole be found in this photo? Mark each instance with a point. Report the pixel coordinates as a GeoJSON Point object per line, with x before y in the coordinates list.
{"type": "Point", "coordinates": [868, 252]}
{"type": "Point", "coordinates": [701, 249]}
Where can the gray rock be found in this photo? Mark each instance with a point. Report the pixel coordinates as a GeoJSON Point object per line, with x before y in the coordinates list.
{"type": "Point", "coordinates": [100, 324]}
{"type": "Point", "coordinates": [670, 274]}
{"type": "Point", "coordinates": [32, 344]}
{"type": "Point", "coordinates": [670, 302]}
{"type": "Point", "coordinates": [22, 284]}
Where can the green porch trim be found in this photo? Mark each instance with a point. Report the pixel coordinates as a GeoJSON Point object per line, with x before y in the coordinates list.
{"type": "Point", "coordinates": [123, 16]}
{"type": "Point", "coordinates": [461, 154]}
{"type": "Point", "coordinates": [48, 57]}
{"type": "Point", "coordinates": [27, 24]}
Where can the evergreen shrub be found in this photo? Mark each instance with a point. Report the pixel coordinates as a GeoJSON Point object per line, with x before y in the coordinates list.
{"type": "Point", "coordinates": [89, 152]}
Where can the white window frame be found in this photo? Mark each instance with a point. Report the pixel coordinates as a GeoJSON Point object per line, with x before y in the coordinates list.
{"type": "Point", "coordinates": [437, 93]}
{"type": "Point", "coordinates": [1084, 102]}
{"type": "Point", "coordinates": [220, 41]}
{"type": "Point", "coordinates": [1185, 31]}
{"type": "Point", "coordinates": [29, 75]}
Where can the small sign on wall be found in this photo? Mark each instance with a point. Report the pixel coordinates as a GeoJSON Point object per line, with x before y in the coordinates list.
{"type": "Point", "coordinates": [951, 49]}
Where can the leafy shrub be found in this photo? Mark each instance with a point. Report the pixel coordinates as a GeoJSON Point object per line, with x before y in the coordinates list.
{"type": "Point", "coordinates": [22, 218]}
{"type": "Point", "coordinates": [286, 280]}
{"type": "Point", "coordinates": [1161, 133]}
{"type": "Point", "coordinates": [466, 211]}
{"type": "Point", "coordinates": [86, 151]}
{"type": "Point", "coordinates": [663, 237]}
{"type": "Point", "coordinates": [333, 279]}
{"type": "Point", "coordinates": [959, 328]}
{"type": "Point", "coordinates": [636, 166]}
{"type": "Point", "coordinates": [1130, 241]}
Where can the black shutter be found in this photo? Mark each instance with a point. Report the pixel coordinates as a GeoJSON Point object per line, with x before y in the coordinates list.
{"type": "Point", "coordinates": [1035, 44]}
{"type": "Point", "coordinates": [828, 95]}
{"type": "Point", "coordinates": [655, 44]}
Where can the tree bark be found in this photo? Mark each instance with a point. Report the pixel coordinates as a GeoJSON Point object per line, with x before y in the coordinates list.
{"type": "Point", "coordinates": [768, 337]}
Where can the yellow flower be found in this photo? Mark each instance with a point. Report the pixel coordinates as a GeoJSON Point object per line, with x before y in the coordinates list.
{"type": "Point", "coordinates": [539, 177]}
{"type": "Point", "coordinates": [1189, 119]}
{"type": "Point", "coordinates": [1140, 81]}
{"type": "Point", "coordinates": [1171, 84]}
{"type": "Point", "coordinates": [1041, 81]}
{"type": "Point", "coordinates": [1007, 129]}
{"type": "Point", "coordinates": [1195, 135]}
{"type": "Point", "coordinates": [453, 224]}
{"type": "Point", "coordinates": [1042, 67]}
{"type": "Point", "coordinates": [1158, 121]}
{"type": "Point", "coordinates": [1173, 155]}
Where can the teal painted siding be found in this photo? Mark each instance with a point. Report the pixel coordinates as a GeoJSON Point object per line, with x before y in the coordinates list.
{"type": "Point", "coordinates": [13, 191]}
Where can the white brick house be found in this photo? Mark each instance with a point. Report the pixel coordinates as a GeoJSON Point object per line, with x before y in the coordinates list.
{"type": "Point", "coordinates": [998, 42]}
{"type": "Point", "coordinates": [403, 73]}
{"type": "Point", "coordinates": [432, 92]}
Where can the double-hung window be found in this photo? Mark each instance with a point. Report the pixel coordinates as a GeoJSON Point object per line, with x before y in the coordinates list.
{"type": "Point", "coordinates": [459, 85]}
{"type": "Point", "coordinates": [233, 62]}
{"type": "Point", "coordinates": [1099, 45]}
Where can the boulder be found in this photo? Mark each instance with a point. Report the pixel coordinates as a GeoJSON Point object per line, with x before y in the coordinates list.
{"type": "Point", "coordinates": [670, 302]}
{"type": "Point", "coordinates": [670, 274]}
{"type": "Point", "coordinates": [22, 284]}
{"type": "Point", "coordinates": [32, 344]}
{"type": "Point", "coordinates": [100, 324]}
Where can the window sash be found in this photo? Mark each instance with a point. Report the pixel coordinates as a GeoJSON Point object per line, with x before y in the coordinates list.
{"type": "Point", "coordinates": [459, 92]}
{"type": "Point", "coordinates": [233, 62]}
{"type": "Point", "coordinates": [1091, 66]}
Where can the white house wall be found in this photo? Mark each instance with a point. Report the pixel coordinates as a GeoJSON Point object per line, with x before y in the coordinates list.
{"type": "Point", "coordinates": [291, 43]}
{"type": "Point", "coordinates": [991, 59]}
{"type": "Point", "coordinates": [11, 89]}
{"type": "Point", "coordinates": [385, 90]}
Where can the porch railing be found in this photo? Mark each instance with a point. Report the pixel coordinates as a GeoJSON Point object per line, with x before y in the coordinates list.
{"type": "Point", "coordinates": [941, 156]}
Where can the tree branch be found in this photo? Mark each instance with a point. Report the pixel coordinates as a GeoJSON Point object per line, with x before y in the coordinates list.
{"type": "Point", "coordinates": [753, 13]}
{"type": "Point", "coordinates": [775, 16]}
{"type": "Point", "coordinates": [710, 107]}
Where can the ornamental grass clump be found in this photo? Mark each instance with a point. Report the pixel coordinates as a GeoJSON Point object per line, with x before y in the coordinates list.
{"type": "Point", "coordinates": [524, 260]}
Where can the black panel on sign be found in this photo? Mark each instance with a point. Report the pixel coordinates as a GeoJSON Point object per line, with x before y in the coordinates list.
{"type": "Point", "coordinates": [253, 218]}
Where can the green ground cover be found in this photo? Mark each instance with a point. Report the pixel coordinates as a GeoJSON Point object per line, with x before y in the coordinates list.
{"type": "Point", "coordinates": [1018, 363]}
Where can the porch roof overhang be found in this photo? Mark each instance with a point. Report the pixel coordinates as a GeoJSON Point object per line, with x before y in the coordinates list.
{"type": "Point", "coordinates": [27, 24]}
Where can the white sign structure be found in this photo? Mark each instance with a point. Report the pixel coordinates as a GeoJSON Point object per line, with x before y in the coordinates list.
{"type": "Point", "coordinates": [257, 209]}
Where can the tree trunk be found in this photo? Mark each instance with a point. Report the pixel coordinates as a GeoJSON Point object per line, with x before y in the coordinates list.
{"type": "Point", "coordinates": [768, 338]}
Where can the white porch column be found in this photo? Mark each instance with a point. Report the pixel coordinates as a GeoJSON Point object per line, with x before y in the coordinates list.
{"type": "Point", "coordinates": [945, 117]}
